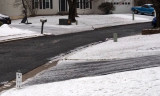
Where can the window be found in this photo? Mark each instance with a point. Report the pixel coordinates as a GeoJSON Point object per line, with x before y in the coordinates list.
{"type": "Point", "coordinates": [78, 3]}
{"type": "Point", "coordinates": [87, 3]}
{"type": "Point", "coordinates": [145, 6]}
{"type": "Point", "coordinates": [42, 4]}
{"type": "Point", "coordinates": [83, 4]}
{"type": "Point", "coordinates": [35, 3]}
{"type": "Point", "coordinates": [47, 2]}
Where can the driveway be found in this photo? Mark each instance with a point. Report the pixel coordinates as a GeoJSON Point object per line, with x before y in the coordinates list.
{"type": "Point", "coordinates": [65, 71]}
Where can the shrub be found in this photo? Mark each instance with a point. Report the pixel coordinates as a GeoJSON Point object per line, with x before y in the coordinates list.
{"type": "Point", "coordinates": [1, 23]}
{"type": "Point", "coordinates": [106, 7]}
{"type": "Point", "coordinates": [141, 2]}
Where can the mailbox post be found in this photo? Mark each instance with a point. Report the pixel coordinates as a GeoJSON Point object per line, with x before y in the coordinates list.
{"type": "Point", "coordinates": [43, 21]}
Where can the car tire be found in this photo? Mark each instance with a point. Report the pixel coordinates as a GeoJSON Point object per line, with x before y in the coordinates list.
{"type": "Point", "coordinates": [1, 23]}
{"type": "Point", "coordinates": [154, 26]}
{"type": "Point", "coordinates": [135, 11]}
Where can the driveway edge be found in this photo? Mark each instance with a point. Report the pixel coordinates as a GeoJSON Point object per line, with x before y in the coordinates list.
{"type": "Point", "coordinates": [28, 75]}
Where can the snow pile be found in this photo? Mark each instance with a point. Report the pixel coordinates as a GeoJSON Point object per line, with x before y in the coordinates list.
{"type": "Point", "coordinates": [1, 15]}
{"type": "Point", "coordinates": [126, 47]}
{"type": "Point", "coordinates": [6, 30]}
{"type": "Point", "coordinates": [145, 82]}
{"type": "Point", "coordinates": [9, 32]}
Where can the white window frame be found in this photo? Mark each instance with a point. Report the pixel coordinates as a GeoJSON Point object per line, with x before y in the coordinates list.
{"type": "Point", "coordinates": [35, 4]}
{"type": "Point", "coordinates": [84, 4]}
{"type": "Point", "coordinates": [46, 4]}
{"type": "Point", "coordinates": [78, 1]}
{"type": "Point", "coordinates": [88, 4]}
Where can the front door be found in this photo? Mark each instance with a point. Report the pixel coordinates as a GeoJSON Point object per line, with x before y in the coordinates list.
{"type": "Point", "coordinates": [63, 5]}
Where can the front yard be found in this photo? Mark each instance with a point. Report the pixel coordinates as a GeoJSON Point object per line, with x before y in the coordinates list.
{"type": "Point", "coordinates": [85, 22]}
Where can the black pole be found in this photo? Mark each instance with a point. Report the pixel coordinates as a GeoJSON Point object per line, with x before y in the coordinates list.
{"type": "Point", "coordinates": [42, 27]}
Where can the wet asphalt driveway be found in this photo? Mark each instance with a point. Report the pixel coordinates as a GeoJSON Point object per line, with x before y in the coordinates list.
{"type": "Point", "coordinates": [72, 70]}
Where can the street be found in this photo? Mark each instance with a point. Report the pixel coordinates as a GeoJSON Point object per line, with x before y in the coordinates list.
{"type": "Point", "coordinates": [25, 55]}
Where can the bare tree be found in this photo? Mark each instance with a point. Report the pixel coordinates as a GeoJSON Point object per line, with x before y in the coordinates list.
{"type": "Point", "coordinates": [156, 4]}
{"type": "Point", "coordinates": [28, 4]}
{"type": "Point", "coordinates": [72, 10]}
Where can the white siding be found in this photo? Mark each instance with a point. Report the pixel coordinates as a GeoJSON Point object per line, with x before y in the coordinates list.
{"type": "Point", "coordinates": [7, 7]}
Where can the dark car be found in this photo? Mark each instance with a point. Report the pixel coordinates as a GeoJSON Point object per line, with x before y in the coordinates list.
{"type": "Point", "coordinates": [154, 22]}
{"type": "Point", "coordinates": [145, 9]}
{"type": "Point", "coordinates": [5, 19]}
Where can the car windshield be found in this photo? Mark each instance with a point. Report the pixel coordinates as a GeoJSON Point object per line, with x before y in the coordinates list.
{"type": "Point", "coordinates": [151, 5]}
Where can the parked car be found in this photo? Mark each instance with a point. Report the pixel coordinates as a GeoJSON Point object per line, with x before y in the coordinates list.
{"type": "Point", "coordinates": [145, 9]}
{"type": "Point", "coordinates": [154, 22]}
{"type": "Point", "coordinates": [5, 19]}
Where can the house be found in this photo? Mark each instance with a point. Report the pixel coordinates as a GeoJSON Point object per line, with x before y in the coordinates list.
{"type": "Point", "coordinates": [50, 7]}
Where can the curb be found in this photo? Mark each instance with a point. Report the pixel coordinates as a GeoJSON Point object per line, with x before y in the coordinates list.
{"type": "Point", "coordinates": [21, 38]}
{"type": "Point", "coordinates": [28, 75]}
{"type": "Point", "coordinates": [29, 37]}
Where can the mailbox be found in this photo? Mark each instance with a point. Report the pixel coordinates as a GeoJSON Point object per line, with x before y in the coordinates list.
{"type": "Point", "coordinates": [43, 21]}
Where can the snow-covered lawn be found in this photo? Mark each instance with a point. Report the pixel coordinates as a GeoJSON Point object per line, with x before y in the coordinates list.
{"type": "Point", "coordinates": [144, 82]}
{"type": "Point", "coordinates": [126, 47]}
{"type": "Point", "coordinates": [85, 22]}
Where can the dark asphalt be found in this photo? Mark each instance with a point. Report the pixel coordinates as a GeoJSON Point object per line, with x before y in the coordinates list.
{"type": "Point", "coordinates": [28, 54]}
{"type": "Point", "coordinates": [77, 70]}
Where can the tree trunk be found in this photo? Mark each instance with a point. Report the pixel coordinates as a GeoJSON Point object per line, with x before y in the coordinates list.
{"type": "Point", "coordinates": [72, 10]}
{"type": "Point", "coordinates": [158, 19]}
{"type": "Point", "coordinates": [156, 4]}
